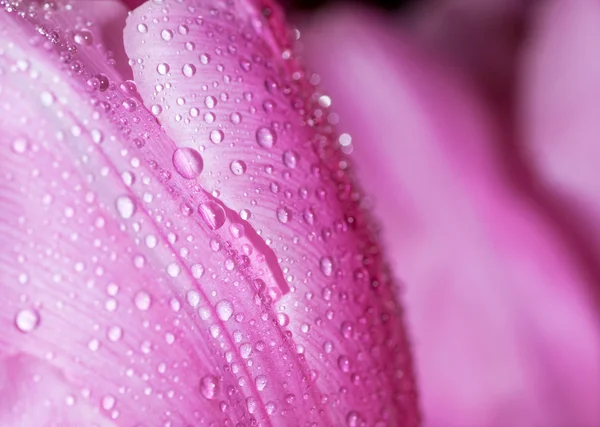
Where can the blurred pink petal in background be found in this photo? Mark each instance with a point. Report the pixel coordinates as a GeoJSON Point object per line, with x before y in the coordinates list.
{"type": "Point", "coordinates": [488, 200]}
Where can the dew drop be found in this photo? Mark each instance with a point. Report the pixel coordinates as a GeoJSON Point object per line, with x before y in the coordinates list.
{"type": "Point", "coordinates": [261, 382]}
{"type": "Point", "coordinates": [27, 320]}
{"type": "Point", "coordinates": [235, 118]}
{"type": "Point", "coordinates": [114, 333]}
{"type": "Point", "coordinates": [188, 162]}
{"type": "Point", "coordinates": [213, 214]}
{"type": "Point", "coordinates": [326, 264]}
{"type": "Point", "coordinates": [19, 145]}
{"type": "Point", "coordinates": [210, 101]}
{"type": "Point", "coordinates": [266, 137]}
{"type": "Point", "coordinates": [163, 68]}
{"type": "Point", "coordinates": [284, 215]}
{"type": "Point", "coordinates": [224, 309]}
{"type": "Point", "coordinates": [209, 386]}
{"type": "Point", "coordinates": [83, 37]}
{"type": "Point", "coordinates": [142, 28]}
{"type": "Point", "coordinates": [217, 136]}
{"type": "Point", "coordinates": [189, 70]}
{"type": "Point", "coordinates": [344, 364]}
{"type": "Point", "coordinates": [204, 58]}
{"type": "Point", "coordinates": [125, 207]}
{"type": "Point", "coordinates": [142, 300]}
{"type": "Point", "coordinates": [238, 167]}
{"type": "Point", "coordinates": [290, 159]}
{"type": "Point", "coordinates": [166, 35]}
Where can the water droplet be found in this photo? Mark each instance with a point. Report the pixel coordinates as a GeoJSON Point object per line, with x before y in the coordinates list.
{"type": "Point", "coordinates": [224, 309]}
{"type": "Point", "coordinates": [125, 207]}
{"type": "Point", "coordinates": [266, 137]}
{"type": "Point", "coordinates": [217, 136]}
{"type": "Point", "coordinates": [142, 300]}
{"type": "Point", "coordinates": [27, 320]}
{"type": "Point", "coordinates": [283, 319]}
{"type": "Point", "coordinates": [188, 162]}
{"type": "Point", "coordinates": [163, 68]}
{"type": "Point", "coordinates": [238, 167]}
{"type": "Point", "coordinates": [173, 269]}
{"type": "Point", "coordinates": [290, 159]}
{"type": "Point", "coordinates": [209, 386]}
{"type": "Point", "coordinates": [210, 101]}
{"type": "Point", "coordinates": [197, 270]}
{"type": "Point", "coordinates": [19, 145]}
{"type": "Point", "coordinates": [114, 333]}
{"type": "Point", "coordinates": [166, 35]}
{"type": "Point", "coordinates": [108, 402]}
{"type": "Point", "coordinates": [189, 70]}
{"type": "Point", "coordinates": [83, 37]}
{"type": "Point", "coordinates": [235, 118]}
{"type": "Point", "coordinates": [284, 215]}
{"type": "Point", "coordinates": [261, 382]}
{"type": "Point", "coordinates": [204, 58]}
{"type": "Point", "coordinates": [326, 264]}
{"type": "Point", "coordinates": [354, 419]}
{"type": "Point", "coordinates": [213, 214]}
{"type": "Point", "coordinates": [156, 109]}
{"type": "Point", "coordinates": [344, 364]}
{"type": "Point", "coordinates": [142, 28]}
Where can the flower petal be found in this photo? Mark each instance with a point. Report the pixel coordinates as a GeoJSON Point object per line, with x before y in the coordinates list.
{"type": "Point", "coordinates": [130, 286]}
{"type": "Point", "coordinates": [504, 331]}
{"type": "Point", "coordinates": [222, 80]}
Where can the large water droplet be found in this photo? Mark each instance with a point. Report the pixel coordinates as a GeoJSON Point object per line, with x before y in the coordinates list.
{"type": "Point", "coordinates": [27, 320]}
{"type": "Point", "coordinates": [188, 162]}
{"type": "Point", "coordinates": [266, 137]}
{"type": "Point", "coordinates": [209, 386]}
{"type": "Point", "coordinates": [213, 214]}
{"type": "Point", "coordinates": [125, 206]}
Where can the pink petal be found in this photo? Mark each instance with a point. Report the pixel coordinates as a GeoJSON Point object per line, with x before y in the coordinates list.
{"type": "Point", "coordinates": [504, 332]}
{"type": "Point", "coordinates": [139, 296]}
{"type": "Point", "coordinates": [560, 105]}
{"type": "Point", "coordinates": [223, 82]}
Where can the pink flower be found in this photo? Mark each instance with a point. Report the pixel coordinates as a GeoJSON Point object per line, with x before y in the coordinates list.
{"type": "Point", "coordinates": [189, 248]}
{"type": "Point", "coordinates": [480, 149]}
